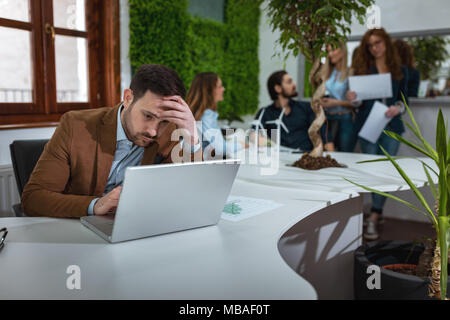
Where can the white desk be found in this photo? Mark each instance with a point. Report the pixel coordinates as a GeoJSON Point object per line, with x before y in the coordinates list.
{"type": "Point", "coordinates": [257, 258]}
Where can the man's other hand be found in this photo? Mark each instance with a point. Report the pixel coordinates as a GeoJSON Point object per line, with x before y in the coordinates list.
{"type": "Point", "coordinates": [108, 203]}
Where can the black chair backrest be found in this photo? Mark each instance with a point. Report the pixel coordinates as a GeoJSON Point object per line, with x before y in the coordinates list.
{"type": "Point", "coordinates": [24, 156]}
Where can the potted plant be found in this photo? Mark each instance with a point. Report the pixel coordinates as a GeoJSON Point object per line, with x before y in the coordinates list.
{"type": "Point", "coordinates": [307, 27]}
{"type": "Point", "coordinates": [439, 217]}
{"type": "Point", "coordinates": [430, 54]}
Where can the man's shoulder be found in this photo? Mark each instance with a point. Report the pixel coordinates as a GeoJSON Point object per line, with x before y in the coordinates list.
{"type": "Point", "coordinates": [303, 105]}
{"type": "Point", "coordinates": [269, 108]}
{"type": "Point", "coordinates": [88, 115]}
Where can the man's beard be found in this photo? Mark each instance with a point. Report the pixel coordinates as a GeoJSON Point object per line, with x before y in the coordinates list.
{"type": "Point", "coordinates": [137, 138]}
{"type": "Point", "coordinates": [286, 95]}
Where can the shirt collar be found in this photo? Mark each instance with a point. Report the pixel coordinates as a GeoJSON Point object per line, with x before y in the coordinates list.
{"type": "Point", "coordinates": [120, 132]}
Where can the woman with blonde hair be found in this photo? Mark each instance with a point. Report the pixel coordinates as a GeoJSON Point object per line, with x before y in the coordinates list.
{"type": "Point", "coordinates": [377, 55]}
{"type": "Point", "coordinates": [337, 109]}
{"type": "Point", "coordinates": [205, 93]}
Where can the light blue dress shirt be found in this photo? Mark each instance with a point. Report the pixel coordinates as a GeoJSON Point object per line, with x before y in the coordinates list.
{"type": "Point", "coordinates": [212, 135]}
{"type": "Point", "coordinates": [127, 154]}
{"type": "Point", "coordinates": [337, 90]}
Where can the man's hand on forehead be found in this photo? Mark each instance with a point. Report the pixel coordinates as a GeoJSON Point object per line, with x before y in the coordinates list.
{"type": "Point", "coordinates": [173, 102]}
{"type": "Point", "coordinates": [175, 109]}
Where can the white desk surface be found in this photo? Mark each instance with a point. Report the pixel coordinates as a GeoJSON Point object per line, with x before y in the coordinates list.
{"type": "Point", "coordinates": [232, 260]}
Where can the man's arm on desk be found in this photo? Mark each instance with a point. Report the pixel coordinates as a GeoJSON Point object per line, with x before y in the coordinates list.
{"type": "Point", "coordinates": [43, 195]}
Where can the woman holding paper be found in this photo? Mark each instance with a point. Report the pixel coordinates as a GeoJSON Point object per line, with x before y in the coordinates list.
{"type": "Point", "coordinates": [337, 109]}
{"type": "Point", "coordinates": [205, 93]}
{"type": "Point", "coordinates": [377, 55]}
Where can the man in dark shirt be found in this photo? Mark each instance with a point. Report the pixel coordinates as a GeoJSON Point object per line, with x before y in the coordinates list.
{"type": "Point", "coordinates": [297, 116]}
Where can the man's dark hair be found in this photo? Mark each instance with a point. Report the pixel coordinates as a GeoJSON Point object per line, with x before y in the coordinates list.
{"type": "Point", "coordinates": [157, 78]}
{"type": "Point", "coordinates": [275, 79]}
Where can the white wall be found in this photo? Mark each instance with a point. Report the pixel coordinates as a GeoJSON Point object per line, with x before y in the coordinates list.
{"type": "Point", "coordinates": [268, 63]}
{"type": "Point", "coordinates": [8, 136]}
{"type": "Point", "coordinates": [409, 15]}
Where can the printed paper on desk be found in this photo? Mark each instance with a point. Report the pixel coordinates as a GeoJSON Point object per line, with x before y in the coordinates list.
{"type": "Point", "coordinates": [375, 122]}
{"type": "Point", "coordinates": [239, 208]}
{"type": "Point", "coordinates": [375, 86]}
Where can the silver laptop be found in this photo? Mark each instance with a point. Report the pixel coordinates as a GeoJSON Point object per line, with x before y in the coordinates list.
{"type": "Point", "coordinates": [161, 199]}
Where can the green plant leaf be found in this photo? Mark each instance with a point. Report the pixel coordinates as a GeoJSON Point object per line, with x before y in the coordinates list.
{"type": "Point", "coordinates": [383, 159]}
{"type": "Point", "coordinates": [426, 165]}
{"type": "Point", "coordinates": [443, 188]}
{"type": "Point", "coordinates": [441, 137]}
{"type": "Point", "coordinates": [388, 195]}
{"type": "Point", "coordinates": [416, 130]}
{"type": "Point", "coordinates": [409, 182]}
{"type": "Point", "coordinates": [425, 143]}
{"type": "Point", "coordinates": [398, 137]}
{"type": "Point", "coordinates": [448, 149]}
{"type": "Point", "coordinates": [433, 189]}
{"type": "Point", "coordinates": [444, 243]}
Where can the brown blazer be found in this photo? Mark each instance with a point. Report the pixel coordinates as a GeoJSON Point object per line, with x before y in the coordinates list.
{"type": "Point", "coordinates": [74, 166]}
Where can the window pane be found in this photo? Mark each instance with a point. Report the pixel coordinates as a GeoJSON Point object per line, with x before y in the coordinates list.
{"type": "Point", "coordinates": [71, 69]}
{"type": "Point", "coordinates": [15, 66]}
{"type": "Point", "coordinates": [15, 10]}
{"type": "Point", "coordinates": [69, 14]}
{"type": "Point", "coordinates": [207, 9]}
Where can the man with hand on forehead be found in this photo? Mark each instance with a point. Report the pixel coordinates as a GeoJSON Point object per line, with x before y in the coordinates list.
{"type": "Point", "coordinates": [82, 167]}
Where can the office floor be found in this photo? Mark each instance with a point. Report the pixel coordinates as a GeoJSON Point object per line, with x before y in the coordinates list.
{"type": "Point", "coordinates": [394, 229]}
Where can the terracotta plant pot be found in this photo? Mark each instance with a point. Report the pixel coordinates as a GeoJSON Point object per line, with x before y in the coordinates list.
{"type": "Point", "coordinates": [397, 266]}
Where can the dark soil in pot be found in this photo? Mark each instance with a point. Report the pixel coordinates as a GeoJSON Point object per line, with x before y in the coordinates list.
{"type": "Point", "coordinates": [315, 163]}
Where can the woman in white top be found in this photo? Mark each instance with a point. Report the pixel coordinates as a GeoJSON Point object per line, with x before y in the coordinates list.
{"type": "Point", "coordinates": [205, 93]}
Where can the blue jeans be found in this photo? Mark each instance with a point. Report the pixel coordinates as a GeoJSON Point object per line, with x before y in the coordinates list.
{"type": "Point", "coordinates": [391, 146]}
{"type": "Point", "coordinates": [343, 131]}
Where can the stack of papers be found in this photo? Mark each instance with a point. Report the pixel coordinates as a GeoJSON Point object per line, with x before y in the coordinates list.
{"type": "Point", "coordinates": [240, 208]}
{"type": "Point", "coordinates": [375, 86]}
{"type": "Point", "coordinates": [375, 123]}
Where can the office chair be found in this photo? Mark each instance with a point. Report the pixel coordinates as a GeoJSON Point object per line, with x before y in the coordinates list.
{"type": "Point", "coordinates": [24, 156]}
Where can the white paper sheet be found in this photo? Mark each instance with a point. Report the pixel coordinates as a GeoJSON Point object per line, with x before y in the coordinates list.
{"type": "Point", "coordinates": [240, 208]}
{"type": "Point", "coordinates": [375, 86]}
{"type": "Point", "coordinates": [423, 88]}
{"type": "Point", "coordinates": [375, 122]}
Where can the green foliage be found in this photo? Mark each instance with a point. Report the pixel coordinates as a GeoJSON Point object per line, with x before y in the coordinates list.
{"type": "Point", "coordinates": [307, 26]}
{"type": "Point", "coordinates": [241, 57]}
{"type": "Point", "coordinates": [158, 33]}
{"type": "Point", "coordinates": [441, 158]}
{"type": "Point", "coordinates": [430, 53]}
{"type": "Point", "coordinates": [163, 32]}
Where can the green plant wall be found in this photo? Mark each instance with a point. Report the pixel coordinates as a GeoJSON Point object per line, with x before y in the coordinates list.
{"type": "Point", "coordinates": [163, 32]}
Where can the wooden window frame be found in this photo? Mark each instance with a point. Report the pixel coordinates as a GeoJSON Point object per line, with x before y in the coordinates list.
{"type": "Point", "coordinates": [103, 36]}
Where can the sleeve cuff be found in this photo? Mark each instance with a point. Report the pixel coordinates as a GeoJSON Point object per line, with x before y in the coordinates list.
{"type": "Point", "coordinates": [90, 211]}
{"type": "Point", "coordinates": [402, 105]}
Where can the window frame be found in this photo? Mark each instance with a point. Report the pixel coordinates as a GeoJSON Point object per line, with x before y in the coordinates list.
{"type": "Point", "coordinates": [103, 38]}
